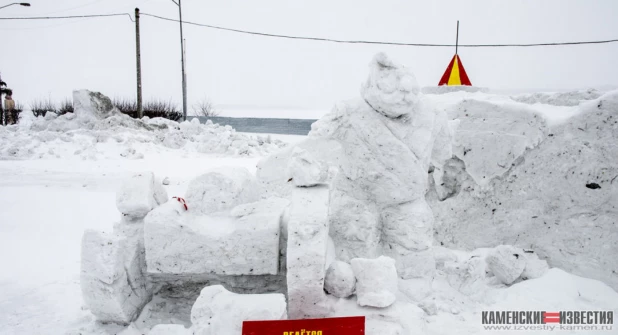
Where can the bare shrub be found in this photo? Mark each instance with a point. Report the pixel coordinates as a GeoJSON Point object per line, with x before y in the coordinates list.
{"type": "Point", "coordinates": [42, 107]}
{"type": "Point", "coordinates": [205, 107]}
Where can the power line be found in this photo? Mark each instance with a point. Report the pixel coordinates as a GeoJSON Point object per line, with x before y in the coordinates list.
{"type": "Point", "coordinates": [378, 42]}
{"type": "Point", "coordinates": [67, 17]}
{"type": "Point", "coordinates": [306, 38]}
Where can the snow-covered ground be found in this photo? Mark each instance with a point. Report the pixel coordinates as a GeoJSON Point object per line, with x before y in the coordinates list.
{"type": "Point", "coordinates": [57, 182]}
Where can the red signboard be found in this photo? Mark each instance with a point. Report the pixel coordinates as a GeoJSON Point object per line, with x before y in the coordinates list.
{"type": "Point", "coordinates": [332, 326]}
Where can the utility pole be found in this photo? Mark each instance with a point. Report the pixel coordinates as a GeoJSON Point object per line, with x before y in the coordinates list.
{"type": "Point", "coordinates": [138, 54]}
{"type": "Point", "coordinates": [457, 38]}
{"type": "Point", "coordinates": [182, 53]}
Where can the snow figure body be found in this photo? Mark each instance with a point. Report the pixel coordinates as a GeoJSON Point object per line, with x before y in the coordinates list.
{"type": "Point", "coordinates": [389, 139]}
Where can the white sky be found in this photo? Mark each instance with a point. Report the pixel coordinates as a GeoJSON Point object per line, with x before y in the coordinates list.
{"type": "Point", "coordinates": [41, 59]}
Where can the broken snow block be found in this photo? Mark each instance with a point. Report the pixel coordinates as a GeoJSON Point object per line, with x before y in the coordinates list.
{"type": "Point", "coordinates": [376, 281]}
{"type": "Point", "coordinates": [112, 278]}
{"type": "Point", "coordinates": [306, 252]}
{"type": "Point", "coordinates": [391, 89]}
{"type": "Point", "coordinates": [170, 329]}
{"type": "Point", "coordinates": [340, 280]}
{"type": "Point", "coordinates": [304, 170]}
{"type": "Point", "coordinates": [218, 311]}
{"type": "Point", "coordinates": [140, 194]}
{"type": "Point", "coordinates": [93, 104]}
{"type": "Point", "coordinates": [221, 189]}
{"type": "Point", "coordinates": [535, 267]}
{"type": "Point", "coordinates": [506, 263]}
{"type": "Point", "coordinates": [180, 242]}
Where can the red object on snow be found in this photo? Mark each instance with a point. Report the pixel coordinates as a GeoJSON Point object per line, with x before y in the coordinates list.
{"type": "Point", "coordinates": [182, 201]}
{"type": "Point", "coordinates": [331, 326]}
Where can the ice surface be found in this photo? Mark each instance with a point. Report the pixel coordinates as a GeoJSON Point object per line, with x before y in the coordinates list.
{"type": "Point", "coordinates": [220, 190]}
{"type": "Point", "coordinates": [180, 242]}
{"type": "Point", "coordinates": [140, 194]}
{"type": "Point", "coordinates": [390, 89]}
{"type": "Point", "coordinates": [306, 252]}
{"type": "Point", "coordinates": [376, 284]}
{"type": "Point", "coordinates": [340, 280]}
{"type": "Point", "coordinates": [112, 279]}
{"type": "Point", "coordinates": [218, 311]}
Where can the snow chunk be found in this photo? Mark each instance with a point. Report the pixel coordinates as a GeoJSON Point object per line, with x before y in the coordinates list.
{"type": "Point", "coordinates": [112, 280]}
{"type": "Point", "coordinates": [506, 262]}
{"type": "Point", "coordinates": [92, 104]}
{"type": "Point", "coordinates": [340, 280]}
{"type": "Point", "coordinates": [139, 194]}
{"type": "Point", "coordinates": [218, 311]}
{"type": "Point", "coordinates": [535, 267]}
{"type": "Point", "coordinates": [391, 89]}
{"type": "Point", "coordinates": [376, 281]}
{"type": "Point", "coordinates": [304, 170]}
{"type": "Point", "coordinates": [221, 189]}
{"type": "Point", "coordinates": [180, 242]}
{"type": "Point", "coordinates": [306, 252]}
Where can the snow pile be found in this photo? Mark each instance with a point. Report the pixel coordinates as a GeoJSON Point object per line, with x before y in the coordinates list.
{"type": "Point", "coordinates": [445, 89]}
{"type": "Point", "coordinates": [572, 98]}
{"type": "Point", "coordinates": [96, 131]}
{"type": "Point", "coordinates": [558, 199]}
{"type": "Point", "coordinates": [218, 311]}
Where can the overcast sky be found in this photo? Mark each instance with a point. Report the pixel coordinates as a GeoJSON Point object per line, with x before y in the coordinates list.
{"type": "Point", "coordinates": [41, 59]}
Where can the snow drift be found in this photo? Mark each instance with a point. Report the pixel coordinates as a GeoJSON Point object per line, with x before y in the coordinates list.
{"type": "Point", "coordinates": [98, 130]}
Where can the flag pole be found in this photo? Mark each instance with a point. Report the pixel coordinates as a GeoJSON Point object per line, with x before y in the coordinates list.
{"type": "Point", "coordinates": [457, 38]}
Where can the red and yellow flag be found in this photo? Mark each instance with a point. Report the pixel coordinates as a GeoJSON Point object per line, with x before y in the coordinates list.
{"type": "Point", "coordinates": [455, 74]}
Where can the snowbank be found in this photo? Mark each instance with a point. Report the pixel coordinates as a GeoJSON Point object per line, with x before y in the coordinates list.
{"type": "Point", "coordinates": [558, 199]}
{"type": "Point", "coordinates": [95, 131]}
{"type": "Point", "coordinates": [572, 98]}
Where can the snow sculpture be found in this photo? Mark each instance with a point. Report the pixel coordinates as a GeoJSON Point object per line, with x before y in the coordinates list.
{"type": "Point", "coordinates": [390, 89]}
{"type": "Point", "coordinates": [376, 281]}
{"type": "Point", "coordinates": [87, 104]}
{"type": "Point", "coordinates": [535, 267]}
{"type": "Point", "coordinates": [389, 141]}
{"type": "Point", "coordinates": [221, 189]}
{"type": "Point", "coordinates": [139, 195]}
{"type": "Point", "coordinates": [306, 253]}
{"type": "Point", "coordinates": [218, 311]}
{"type": "Point", "coordinates": [181, 242]}
{"type": "Point", "coordinates": [340, 280]}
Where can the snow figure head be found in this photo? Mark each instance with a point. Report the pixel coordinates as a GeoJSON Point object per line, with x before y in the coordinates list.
{"type": "Point", "coordinates": [391, 89]}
